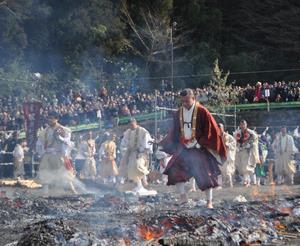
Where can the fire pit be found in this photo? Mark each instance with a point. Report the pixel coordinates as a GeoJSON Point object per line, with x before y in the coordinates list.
{"type": "Point", "coordinates": [115, 218]}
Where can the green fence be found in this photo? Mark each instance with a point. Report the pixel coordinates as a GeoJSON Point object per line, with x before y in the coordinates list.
{"type": "Point", "coordinates": [259, 106]}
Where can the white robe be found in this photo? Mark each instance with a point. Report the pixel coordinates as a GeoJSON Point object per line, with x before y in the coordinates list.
{"type": "Point", "coordinates": [18, 154]}
{"type": "Point", "coordinates": [135, 150]}
{"type": "Point", "coordinates": [52, 168]}
{"type": "Point", "coordinates": [163, 157]}
{"type": "Point", "coordinates": [88, 152]}
{"type": "Point", "coordinates": [107, 157]}
{"type": "Point", "coordinates": [228, 168]}
{"type": "Point", "coordinates": [284, 149]}
{"type": "Point", "coordinates": [247, 155]}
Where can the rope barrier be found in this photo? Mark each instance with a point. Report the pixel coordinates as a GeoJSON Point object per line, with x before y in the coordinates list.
{"type": "Point", "coordinates": [169, 77]}
{"type": "Point", "coordinates": [264, 127]}
{"type": "Point", "coordinates": [11, 163]}
{"type": "Point", "coordinates": [6, 164]}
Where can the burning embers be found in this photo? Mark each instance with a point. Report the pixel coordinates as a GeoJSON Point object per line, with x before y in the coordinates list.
{"type": "Point", "coordinates": [113, 218]}
{"type": "Point", "coordinates": [172, 222]}
{"type": "Point", "coordinates": [266, 196]}
{"type": "Point", "coordinates": [254, 222]}
{"type": "Point", "coordinates": [30, 184]}
{"type": "Point", "coordinates": [148, 233]}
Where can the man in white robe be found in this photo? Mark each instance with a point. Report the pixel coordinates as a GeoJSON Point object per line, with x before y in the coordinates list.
{"type": "Point", "coordinates": [18, 155]}
{"type": "Point", "coordinates": [228, 167]}
{"type": "Point", "coordinates": [89, 150]}
{"type": "Point", "coordinates": [54, 171]}
{"type": "Point", "coordinates": [247, 155]}
{"type": "Point", "coordinates": [107, 158]}
{"type": "Point", "coordinates": [163, 159]}
{"type": "Point", "coordinates": [284, 149]}
{"type": "Point", "coordinates": [135, 149]}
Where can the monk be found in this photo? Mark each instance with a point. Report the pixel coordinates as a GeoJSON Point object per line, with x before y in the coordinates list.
{"type": "Point", "coordinates": [196, 145]}
{"type": "Point", "coordinates": [228, 168]}
{"type": "Point", "coordinates": [89, 169]}
{"type": "Point", "coordinates": [247, 155]}
{"type": "Point", "coordinates": [135, 149]}
{"type": "Point", "coordinates": [55, 171]}
{"type": "Point", "coordinates": [107, 157]}
{"type": "Point", "coordinates": [284, 148]}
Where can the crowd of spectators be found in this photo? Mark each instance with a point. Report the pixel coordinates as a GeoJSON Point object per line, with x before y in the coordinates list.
{"type": "Point", "coordinates": [83, 107]}
{"type": "Point", "coordinates": [280, 91]}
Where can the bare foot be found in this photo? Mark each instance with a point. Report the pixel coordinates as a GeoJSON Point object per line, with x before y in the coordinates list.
{"type": "Point", "coordinates": [192, 190]}
{"type": "Point", "coordinates": [145, 183]}
{"type": "Point", "coordinates": [209, 205]}
{"type": "Point", "coordinates": [72, 189]}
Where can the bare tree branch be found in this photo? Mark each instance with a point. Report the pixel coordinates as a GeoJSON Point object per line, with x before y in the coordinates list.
{"type": "Point", "coordinates": [131, 23]}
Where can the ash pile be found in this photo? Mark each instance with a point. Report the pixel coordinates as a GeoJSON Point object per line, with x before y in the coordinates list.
{"type": "Point", "coordinates": [120, 219]}
{"type": "Point", "coordinates": [259, 223]}
{"type": "Point", "coordinates": [48, 232]}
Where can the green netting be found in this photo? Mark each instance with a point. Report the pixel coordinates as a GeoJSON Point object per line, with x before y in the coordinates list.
{"type": "Point", "coordinates": [255, 106]}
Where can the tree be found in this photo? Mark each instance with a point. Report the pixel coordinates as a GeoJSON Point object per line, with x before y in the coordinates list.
{"type": "Point", "coordinates": [264, 33]}
{"type": "Point", "coordinates": [13, 38]}
{"type": "Point", "coordinates": [223, 94]}
{"type": "Point", "coordinates": [84, 30]}
{"type": "Point", "coordinates": [152, 28]}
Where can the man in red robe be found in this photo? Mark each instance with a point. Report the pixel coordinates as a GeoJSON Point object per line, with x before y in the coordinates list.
{"type": "Point", "coordinates": [196, 145]}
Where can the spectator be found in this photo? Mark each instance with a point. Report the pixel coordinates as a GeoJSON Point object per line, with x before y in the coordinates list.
{"type": "Point", "coordinates": [9, 146]}
{"type": "Point", "coordinates": [79, 107]}
{"type": "Point", "coordinates": [258, 92]}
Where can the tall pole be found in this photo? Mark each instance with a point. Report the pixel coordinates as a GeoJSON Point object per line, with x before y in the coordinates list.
{"type": "Point", "coordinates": [172, 60]}
{"type": "Point", "coordinates": [173, 27]}
{"type": "Point", "coordinates": [234, 117]}
{"type": "Point", "coordinates": [155, 111]}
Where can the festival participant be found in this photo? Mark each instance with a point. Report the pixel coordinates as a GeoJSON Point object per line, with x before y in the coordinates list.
{"type": "Point", "coordinates": [163, 159]}
{"type": "Point", "coordinates": [107, 157]}
{"type": "Point", "coordinates": [9, 146]}
{"type": "Point", "coordinates": [54, 172]}
{"type": "Point", "coordinates": [228, 168]}
{"type": "Point", "coordinates": [135, 148]}
{"type": "Point", "coordinates": [284, 149]}
{"type": "Point", "coordinates": [80, 156]}
{"type": "Point", "coordinates": [196, 146]}
{"type": "Point", "coordinates": [18, 155]}
{"type": "Point", "coordinates": [89, 150]}
{"type": "Point", "coordinates": [247, 155]}
{"type": "Point", "coordinates": [263, 153]}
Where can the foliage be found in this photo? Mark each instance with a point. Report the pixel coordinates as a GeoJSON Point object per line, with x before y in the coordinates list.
{"type": "Point", "coordinates": [223, 94]}
{"type": "Point", "coordinates": [90, 41]}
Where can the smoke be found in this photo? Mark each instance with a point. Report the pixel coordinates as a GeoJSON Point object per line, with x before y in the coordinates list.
{"type": "Point", "coordinates": [56, 180]}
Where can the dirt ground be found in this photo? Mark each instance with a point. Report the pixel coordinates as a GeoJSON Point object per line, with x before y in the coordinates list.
{"type": "Point", "coordinates": [225, 194]}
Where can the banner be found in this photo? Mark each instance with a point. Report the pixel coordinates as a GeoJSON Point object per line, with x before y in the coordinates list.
{"type": "Point", "coordinates": [32, 122]}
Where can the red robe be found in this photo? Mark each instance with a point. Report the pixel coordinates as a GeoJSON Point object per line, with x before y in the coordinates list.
{"type": "Point", "coordinates": [198, 163]}
{"type": "Point", "coordinates": [68, 164]}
